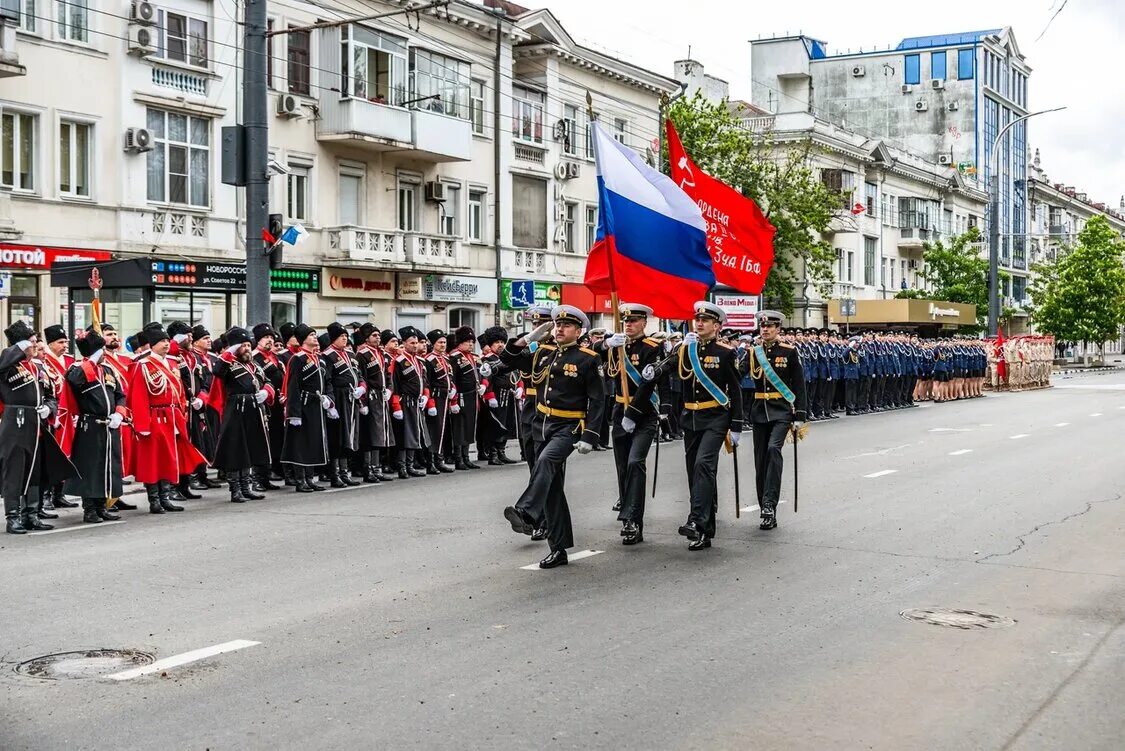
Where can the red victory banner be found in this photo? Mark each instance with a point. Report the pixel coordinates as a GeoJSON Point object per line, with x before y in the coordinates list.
{"type": "Point", "coordinates": [739, 236]}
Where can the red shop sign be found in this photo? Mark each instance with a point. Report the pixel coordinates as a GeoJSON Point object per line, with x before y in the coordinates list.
{"type": "Point", "coordinates": [16, 256]}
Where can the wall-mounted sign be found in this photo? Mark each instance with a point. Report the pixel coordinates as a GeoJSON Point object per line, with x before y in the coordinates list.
{"type": "Point", "coordinates": [17, 256]}
{"type": "Point", "coordinates": [518, 294]}
{"type": "Point", "coordinates": [742, 310]}
{"type": "Point", "coordinates": [357, 283]}
{"type": "Point", "coordinates": [446, 288]}
{"type": "Point", "coordinates": [294, 280]}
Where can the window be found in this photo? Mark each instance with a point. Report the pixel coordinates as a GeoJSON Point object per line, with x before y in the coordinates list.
{"type": "Point", "coordinates": [892, 270]}
{"type": "Point", "coordinates": [529, 212]}
{"type": "Point", "coordinates": [351, 196]}
{"type": "Point", "coordinates": [449, 218]}
{"type": "Point", "coordinates": [937, 65]}
{"type": "Point", "coordinates": [269, 54]}
{"type": "Point", "coordinates": [178, 165]}
{"type": "Point", "coordinates": [477, 200]}
{"type": "Point", "coordinates": [298, 192]}
{"type": "Point", "coordinates": [870, 191]}
{"type": "Point", "coordinates": [590, 138]}
{"type": "Point", "coordinates": [73, 20]}
{"type": "Point", "coordinates": [570, 138]}
{"type": "Point", "coordinates": [869, 261]}
{"type": "Point", "coordinates": [902, 274]}
{"type": "Point", "coordinates": [181, 38]}
{"type": "Point", "coordinates": [913, 70]}
{"type": "Point", "coordinates": [850, 266]}
{"type": "Point", "coordinates": [373, 65]}
{"type": "Point", "coordinates": [297, 60]}
{"type": "Point", "coordinates": [964, 64]}
{"type": "Point", "coordinates": [620, 129]}
{"type": "Point", "coordinates": [459, 317]}
{"type": "Point", "coordinates": [527, 115]}
{"type": "Point", "coordinates": [408, 187]}
{"type": "Point", "coordinates": [441, 83]}
{"type": "Point", "coordinates": [889, 207]}
{"type": "Point", "coordinates": [17, 150]}
{"type": "Point", "coordinates": [476, 106]}
{"type": "Point", "coordinates": [591, 226]}
{"type": "Point", "coordinates": [1019, 289]}
{"type": "Point", "coordinates": [570, 218]}
{"type": "Point", "coordinates": [28, 16]}
{"type": "Point", "coordinates": [74, 159]}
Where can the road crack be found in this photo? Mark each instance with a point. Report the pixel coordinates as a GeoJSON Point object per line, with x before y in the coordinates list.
{"type": "Point", "coordinates": [1023, 539]}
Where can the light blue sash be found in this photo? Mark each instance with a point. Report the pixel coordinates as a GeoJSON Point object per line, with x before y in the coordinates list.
{"type": "Point", "coordinates": [697, 369]}
{"type": "Point", "coordinates": [635, 377]}
{"type": "Point", "coordinates": [772, 376]}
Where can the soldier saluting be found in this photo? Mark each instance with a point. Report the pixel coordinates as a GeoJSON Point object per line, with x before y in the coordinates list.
{"type": "Point", "coordinates": [779, 401]}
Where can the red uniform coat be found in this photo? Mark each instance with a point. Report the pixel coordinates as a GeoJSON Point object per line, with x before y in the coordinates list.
{"type": "Point", "coordinates": [122, 367]}
{"type": "Point", "coordinates": [156, 398]}
{"type": "Point", "coordinates": [67, 419]}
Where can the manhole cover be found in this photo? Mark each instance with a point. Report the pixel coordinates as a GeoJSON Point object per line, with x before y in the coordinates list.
{"type": "Point", "coordinates": [965, 619]}
{"type": "Point", "coordinates": [90, 663]}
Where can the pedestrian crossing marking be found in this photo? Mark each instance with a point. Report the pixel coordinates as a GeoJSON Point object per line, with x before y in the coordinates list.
{"type": "Point", "coordinates": [1017, 436]}
{"type": "Point", "coordinates": [570, 557]}
{"type": "Point", "coordinates": [1061, 424]}
{"type": "Point", "coordinates": [881, 473]}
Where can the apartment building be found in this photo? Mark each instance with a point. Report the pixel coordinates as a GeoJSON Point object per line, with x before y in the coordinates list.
{"type": "Point", "coordinates": [382, 145]}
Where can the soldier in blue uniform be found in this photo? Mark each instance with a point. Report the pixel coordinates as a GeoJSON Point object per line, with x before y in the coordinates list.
{"type": "Point", "coordinates": [851, 369]}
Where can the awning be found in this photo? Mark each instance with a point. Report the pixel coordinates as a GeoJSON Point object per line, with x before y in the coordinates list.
{"type": "Point", "coordinates": [909, 312]}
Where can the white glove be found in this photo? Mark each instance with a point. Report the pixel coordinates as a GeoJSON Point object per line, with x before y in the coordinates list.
{"type": "Point", "coordinates": [453, 392]}
{"type": "Point", "coordinates": [616, 340]}
{"type": "Point", "coordinates": [648, 373]}
{"type": "Point", "coordinates": [485, 370]}
{"type": "Point", "coordinates": [481, 389]}
{"type": "Point", "coordinates": [357, 393]}
{"type": "Point", "coordinates": [333, 414]}
{"type": "Point", "coordinates": [493, 404]}
{"type": "Point", "coordinates": [197, 404]}
{"type": "Point", "coordinates": [667, 346]}
{"type": "Point", "coordinates": [432, 411]}
{"type": "Point", "coordinates": [295, 421]}
{"type": "Point", "coordinates": [690, 337]}
{"type": "Point", "coordinates": [583, 448]}
{"type": "Point", "coordinates": [628, 424]}
{"type": "Point", "coordinates": [24, 345]}
{"type": "Point", "coordinates": [44, 411]}
{"type": "Point", "coordinates": [397, 414]}
{"type": "Point", "coordinates": [261, 396]}
{"type": "Point", "coordinates": [540, 332]}
{"type": "Point", "coordinates": [115, 421]}
{"type": "Point", "coordinates": [325, 402]}
{"type": "Point", "coordinates": [362, 389]}
{"type": "Point", "coordinates": [386, 395]}
{"type": "Point", "coordinates": [519, 393]}
{"type": "Point", "coordinates": [455, 409]}
{"type": "Point", "coordinates": [734, 438]}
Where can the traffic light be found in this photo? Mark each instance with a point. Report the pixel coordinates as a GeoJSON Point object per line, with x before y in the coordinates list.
{"type": "Point", "coordinates": [276, 228]}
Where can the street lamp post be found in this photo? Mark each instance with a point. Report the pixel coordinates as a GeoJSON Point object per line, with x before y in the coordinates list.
{"type": "Point", "coordinates": [994, 225]}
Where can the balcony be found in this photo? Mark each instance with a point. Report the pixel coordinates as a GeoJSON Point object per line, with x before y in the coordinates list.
{"type": "Point", "coordinates": [434, 251]}
{"type": "Point", "coordinates": [181, 80]}
{"type": "Point", "coordinates": [9, 58]}
{"type": "Point", "coordinates": [391, 248]}
{"type": "Point", "coordinates": [913, 238]}
{"type": "Point", "coordinates": [419, 134]}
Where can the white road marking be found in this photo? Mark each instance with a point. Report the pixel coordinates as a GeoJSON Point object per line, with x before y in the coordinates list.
{"type": "Point", "coordinates": [1096, 414]}
{"type": "Point", "coordinates": [75, 528]}
{"type": "Point", "coordinates": [570, 557]}
{"type": "Point", "coordinates": [882, 473]}
{"type": "Point", "coordinates": [1061, 424]}
{"type": "Point", "coordinates": [183, 659]}
{"type": "Point", "coordinates": [950, 430]}
{"type": "Point", "coordinates": [962, 452]}
{"type": "Point", "coordinates": [1017, 436]}
{"type": "Point", "coordinates": [755, 507]}
{"type": "Point", "coordinates": [881, 452]}
{"type": "Point", "coordinates": [1093, 387]}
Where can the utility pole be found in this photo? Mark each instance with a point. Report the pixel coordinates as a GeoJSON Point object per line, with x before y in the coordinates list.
{"type": "Point", "coordinates": [496, 157]}
{"type": "Point", "coordinates": [256, 156]}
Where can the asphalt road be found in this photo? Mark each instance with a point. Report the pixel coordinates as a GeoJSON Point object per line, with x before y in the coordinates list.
{"type": "Point", "coordinates": [400, 616]}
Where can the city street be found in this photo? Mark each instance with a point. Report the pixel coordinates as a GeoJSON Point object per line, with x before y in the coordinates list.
{"type": "Point", "coordinates": [405, 615]}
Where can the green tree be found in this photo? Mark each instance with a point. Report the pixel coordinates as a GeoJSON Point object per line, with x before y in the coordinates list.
{"type": "Point", "coordinates": [779, 177]}
{"type": "Point", "coordinates": [958, 273]}
{"type": "Point", "coordinates": [1081, 296]}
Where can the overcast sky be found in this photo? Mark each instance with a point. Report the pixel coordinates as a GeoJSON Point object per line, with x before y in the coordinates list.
{"type": "Point", "coordinates": [1077, 63]}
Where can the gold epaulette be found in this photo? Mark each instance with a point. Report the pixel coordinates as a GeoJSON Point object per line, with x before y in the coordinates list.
{"type": "Point", "coordinates": [651, 342]}
{"type": "Point", "coordinates": [588, 351]}
{"type": "Point", "coordinates": [724, 346]}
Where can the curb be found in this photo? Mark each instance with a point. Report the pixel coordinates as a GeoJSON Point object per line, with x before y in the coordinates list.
{"type": "Point", "coordinates": [1072, 371]}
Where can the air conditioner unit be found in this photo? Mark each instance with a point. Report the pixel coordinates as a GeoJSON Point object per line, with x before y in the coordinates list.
{"type": "Point", "coordinates": [859, 71]}
{"type": "Point", "coordinates": [288, 106]}
{"type": "Point", "coordinates": [937, 83]}
{"type": "Point", "coordinates": [573, 169]}
{"type": "Point", "coordinates": [953, 106]}
{"type": "Point", "coordinates": [138, 140]}
{"type": "Point", "coordinates": [143, 13]}
{"type": "Point", "coordinates": [921, 106]}
{"type": "Point", "coordinates": [142, 40]}
{"type": "Point", "coordinates": [907, 88]}
{"type": "Point", "coordinates": [435, 191]}
{"type": "Point", "coordinates": [945, 159]}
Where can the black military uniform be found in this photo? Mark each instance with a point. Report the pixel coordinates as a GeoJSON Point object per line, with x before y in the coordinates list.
{"type": "Point", "coordinates": [498, 416]}
{"type": "Point", "coordinates": [96, 452]}
{"type": "Point", "coordinates": [772, 415]}
{"type": "Point", "coordinates": [442, 393]}
{"type": "Point", "coordinates": [244, 436]}
{"type": "Point", "coordinates": [375, 434]}
{"type": "Point", "coordinates": [347, 390]}
{"type": "Point", "coordinates": [306, 404]}
{"type": "Point", "coordinates": [569, 401]}
{"type": "Point", "coordinates": [466, 378]}
{"type": "Point", "coordinates": [706, 419]}
{"type": "Point", "coordinates": [409, 402]}
{"type": "Point", "coordinates": [274, 371]}
{"type": "Point", "coordinates": [635, 422]}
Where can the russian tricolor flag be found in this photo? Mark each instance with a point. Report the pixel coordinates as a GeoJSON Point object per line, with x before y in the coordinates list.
{"type": "Point", "coordinates": [651, 245]}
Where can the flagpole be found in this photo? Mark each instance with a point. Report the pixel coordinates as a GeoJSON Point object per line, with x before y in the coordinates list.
{"type": "Point", "coordinates": [613, 299]}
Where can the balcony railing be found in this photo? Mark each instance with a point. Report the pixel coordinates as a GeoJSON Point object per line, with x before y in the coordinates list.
{"type": "Point", "coordinates": [180, 80]}
{"type": "Point", "coordinates": [434, 250]}
{"type": "Point", "coordinates": [9, 58]}
{"type": "Point", "coordinates": [388, 247]}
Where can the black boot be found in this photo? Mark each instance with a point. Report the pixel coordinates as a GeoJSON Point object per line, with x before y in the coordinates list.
{"type": "Point", "coordinates": [458, 460]}
{"type": "Point", "coordinates": [152, 490]}
{"type": "Point", "coordinates": [90, 511]}
{"type": "Point", "coordinates": [166, 489]}
{"type": "Point", "coordinates": [288, 476]}
{"type": "Point", "coordinates": [344, 476]}
{"type": "Point", "coordinates": [631, 534]}
{"type": "Point", "coordinates": [410, 468]}
{"type": "Point", "coordinates": [103, 512]}
{"type": "Point", "coordinates": [310, 483]}
{"type": "Point", "coordinates": [47, 504]}
{"type": "Point", "coordinates": [121, 505]}
{"type": "Point", "coordinates": [59, 499]}
{"type": "Point", "coordinates": [262, 482]}
{"type": "Point", "coordinates": [208, 483]}
{"type": "Point", "coordinates": [465, 458]}
{"type": "Point", "coordinates": [244, 484]}
{"type": "Point", "coordinates": [702, 543]}
{"type": "Point", "coordinates": [32, 524]}
{"type": "Point", "coordinates": [402, 473]}
{"type": "Point", "coordinates": [494, 457]}
{"type": "Point", "coordinates": [182, 490]}
{"type": "Point", "coordinates": [769, 519]}
{"type": "Point", "coordinates": [503, 456]}
{"type": "Point", "coordinates": [440, 465]}
{"type": "Point", "coordinates": [431, 464]}
{"type": "Point", "coordinates": [235, 488]}
{"type": "Point", "coordinates": [332, 475]}
{"type": "Point", "coordinates": [15, 523]}
{"type": "Point", "coordinates": [44, 514]}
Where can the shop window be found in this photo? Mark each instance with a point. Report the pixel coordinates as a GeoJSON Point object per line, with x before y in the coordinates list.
{"type": "Point", "coordinates": [459, 317]}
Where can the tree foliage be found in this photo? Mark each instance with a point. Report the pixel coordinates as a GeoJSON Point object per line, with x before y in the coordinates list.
{"type": "Point", "coordinates": [1081, 295]}
{"type": "Point", "coordinates": [958, 273]}
{"type": "Point", "coordinates": [779, 177]}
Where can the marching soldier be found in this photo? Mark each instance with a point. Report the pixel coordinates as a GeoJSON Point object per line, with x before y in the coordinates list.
{"type": "Point", "coordinates": [779, 401]}
{"type": "Point", "coordinates": [569, 400]}
{"type": "Point", "coordinates": [712, 409]}
{"type": "Point", "coordinates": [156, 400]}
{"type": "Point", "coordinates": [244, 441]}
{"type": "Point", "coordinates": [375, 434]}
{"type": "Point", "coordinates": [348, 389]}
{"type": "Point", "coordinates": [411, 393]}
{"type": "Point", "coordinates": [636, 414]}
{"type": "Point", "coordinates": [192, 373]}
{"type": "Point", "coordinates": [307, 405]}
{"type": "Point", "coordinates": [101, 413]}
{"type": "Point", "coordinates": [467, 381]}
{"type": "Point", "coordinates": [57, 363]}
{"type": "Point", "coordinates": [274, 371]}
{"type": "Point", "coordinates": [442, 395]}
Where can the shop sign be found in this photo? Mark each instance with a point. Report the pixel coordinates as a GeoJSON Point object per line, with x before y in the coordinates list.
{"type": "Point", "coordinates": [443, 288]}
{"type": "Point", "coordinates": [357, 283]}
{"type": "Point", "coordinates": [15, 255]}
{"type": "Point", "coordinates": [518, 294]}
{"type": "Point", "coordinates": [294, 280]}
{"type": "Point", "coordinates": [409, 287]}
{"type": "Point", "coordinates": [742, 310]}
{"type": "Point", "coordinates": [191, 274]}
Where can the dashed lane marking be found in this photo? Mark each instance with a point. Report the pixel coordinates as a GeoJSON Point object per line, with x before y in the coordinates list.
{"type": "Point", "coordinates": [74, 528]}
{"type": "Point", "coordinates": [950, 430]}
{"type": "Point", "coordinates": [962, 452]}
{"type": "Point", "coordinates": [176, 661]}
{"type": "Point", "coordinates": [755, 507]}
{"type": "Point", "coordinates": [1018, 436]}
{"type": "Point", "coordinates": [570, 557]}
{"type": "Point", "coordinates": [881, 473]}
{"type": "Point", "coordinates": [1096, 414]}
{"type": "Point", "coordinates": [1061, 424]}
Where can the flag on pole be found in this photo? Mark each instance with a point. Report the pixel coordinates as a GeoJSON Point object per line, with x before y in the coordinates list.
{"type": "Point", "coordinates": [739, 237]}
{"type": "Point", "coordinates": [651, 245]}
{"type": "Point", "coordinates": [294, 234]}
{"type": "Point", "coordinates": [267, 237]}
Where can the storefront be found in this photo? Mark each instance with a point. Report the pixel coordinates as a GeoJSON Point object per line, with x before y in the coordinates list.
{"type": "Point", "coordinates": [25, 284]}
{"type": "Point", "coordinates": [353, 296]}
{"type": "Point", "coordinates": [212, 294]}
{"type": "Point", "coordinates": [444, 301]}
{"type": "Point", "coordinates": [926, 317]}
